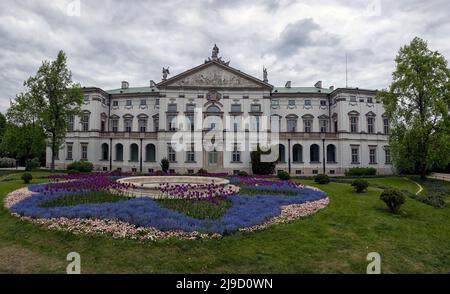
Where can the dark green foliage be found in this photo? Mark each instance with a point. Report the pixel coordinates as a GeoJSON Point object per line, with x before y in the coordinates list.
{"type": "Point", "coordinates": [360, 185]}
{"type": "Point", "coordinates": [81, 166]}
{"type": "Point", "coordinates": [165, 165]}
{"type": "Point", "coordinates": [360, 171]}
{"type": "Point", "coordinates": [322, 179]}
{"type": "Point", "coordinates": [283, 175]}
{"type": "Point", "coordinates": [202, 171]}
{"type": "Point", "coordinates": [261, 168]}
{"type": "Point", "coordinates": [393, 198]}
{"type": "Point", "coordinates": [32, 164]}
{"type": "Point", "coordinates": [27, 177]}
{"type": "Point", "coordinates": [243, 173]}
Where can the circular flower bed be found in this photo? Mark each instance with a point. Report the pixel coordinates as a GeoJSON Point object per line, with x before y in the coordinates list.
{"type": "Point", "coordinates": [80, 204]}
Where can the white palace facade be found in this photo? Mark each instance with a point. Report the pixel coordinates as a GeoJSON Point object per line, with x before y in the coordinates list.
{"type": "Point", "coordinates": [320, 129]}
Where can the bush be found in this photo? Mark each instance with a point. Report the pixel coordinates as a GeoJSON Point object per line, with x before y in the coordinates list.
{"type": "Point", "coordinates": [283, 175]}
{"type": "Point", "coordinates": [6, 162]}
{"type": "Point", "coordinates": [165, 165]}
{"type": "Point", "coordinates": [32, 164]}
{"type": "Point", "coordinates": [322, 179]}
{"type": "Point", "coordinates": [361, 171]}
{"type": "Point", "coordinates": [243, 174]}
{"type": "Point", "coordinates": [360, 185]}
{"type": "Point", "coordinates": [261, 168]}
{"type": "Point", "coordinates": [202, 171]}
{"type": "Point", "coordinates": [27, 177]}
{"type": "Point", "coordinates": [393, 198]}
{"type": "Point", "coordinates": [159, 173]}
{"type": "Point", "coordinates": [81, 166]}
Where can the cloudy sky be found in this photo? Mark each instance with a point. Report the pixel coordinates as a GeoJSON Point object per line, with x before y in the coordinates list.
{"type": "Point", "coordinates": [303, 41]}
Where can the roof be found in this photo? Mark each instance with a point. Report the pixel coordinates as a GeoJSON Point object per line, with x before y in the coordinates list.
{"type": "Point", "coordinates": [301, 90]}
{"type": "Point", "coordinates": [133, 90]}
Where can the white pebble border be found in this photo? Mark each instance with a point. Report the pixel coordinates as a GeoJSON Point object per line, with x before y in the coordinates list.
{"type": "Point", "coordinates": [123, 230]}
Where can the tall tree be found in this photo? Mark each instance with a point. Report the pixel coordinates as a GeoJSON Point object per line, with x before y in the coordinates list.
{"type": "Point", "coordinates": [2, 125]}
{"type": "Point", "coordinates": [417, 104]}
{"type": "Point", "coordinates": [57, 98]}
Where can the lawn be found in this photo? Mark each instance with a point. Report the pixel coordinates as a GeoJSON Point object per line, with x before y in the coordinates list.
{"type": "Point", "coordinates": [335, 240]}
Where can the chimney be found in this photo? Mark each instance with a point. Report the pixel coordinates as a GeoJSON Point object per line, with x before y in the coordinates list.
{"type": "Point", "coordinates": [331, 87]}
{"type": "Point", "coordinates": [318, 84]}
{"type": "Point", "coordinates": [125, 85]}
{"type": "Point", "coordinates": [152, 84]}
{"type": "Point", "coordinates": [288, 84]}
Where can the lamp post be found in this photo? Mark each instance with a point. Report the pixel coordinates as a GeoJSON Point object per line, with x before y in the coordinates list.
{"type": "Point", "coordinates": [322, 135]}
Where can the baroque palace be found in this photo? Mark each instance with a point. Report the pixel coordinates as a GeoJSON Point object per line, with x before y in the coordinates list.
{"type": "Point", "coordinates": [318, 129]}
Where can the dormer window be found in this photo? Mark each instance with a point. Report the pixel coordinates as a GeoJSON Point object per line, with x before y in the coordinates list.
{"type": "Point", "coordinates": [369, 100]}
{"type": "Point", "coordinates": [308, 102]}
{"type": "Point", "coordinates": [323, 102]}
{"type": "Point", "coordinates": [255, 108]}
{"type": "Point", "coordinates": [128, 103]}
{"type": "Point", "coordinates": [352, 98]}
{"type": "Point", "coordinates": [143, 102]}
{"type": "Point", "coordinates": [115, 103]}
{"type": "Point", "coordinates": [291, 103]}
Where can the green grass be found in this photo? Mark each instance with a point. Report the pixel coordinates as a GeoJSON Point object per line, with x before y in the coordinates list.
{"type": "Point", "coordinates": [335, 240]}
{"type": "Point", "coordinates": [83, 198]}
{"type": "Point", "coordinates": [197, 209]}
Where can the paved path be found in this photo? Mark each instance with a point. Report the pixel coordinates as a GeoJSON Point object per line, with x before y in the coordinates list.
{"type": "Point", "coordinates": [440, 176]}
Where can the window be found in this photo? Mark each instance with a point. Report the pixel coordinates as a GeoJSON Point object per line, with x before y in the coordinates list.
{"type": "Point", "coordinates": [323, 125]}
{"type": "Point", "coordinates": [115, 125]}
{"type": "Point", "coordinates": [236, 154]}
{"type": "Point", "coordinates": [172, 107]}
{"type": "Point", "coordinates": [307, 102]}
{"type": "Point", "coordinates": [331, 153]}
{"type": "Point", "coordinates": [84, 151]}
{"type": "Point", "coordinates": [255, 108]}
{"type": "Point", "coordinates": [172, 124]}
{"type": "Point", "coordinates": [143, 102]}
{"type": "Point", "coordinates": [105, 151]}
{"type": "Point", "coordinates": [69, 151]}
{"type": "Point", "coordinates": [190, 107]}
{"type": "Point", "coordinates": [157, 102]}
{"type": "Point", "coordinates": [370, 125]}
{"type": "Point", "coordinates": [134, 152]}
{"type": "Point", "coordinates": [281, 153]}
{"type": "Point", "coordinates": [386, 126]}
{"type": "Point", "coordinates": [155, 124]}
{"type": "Point", "coordinates": [235, 107]}
{"type": "Point", "coordinates": [275, 103]}
{"type": "Point", "coordinates": [372, 155]}
{"type": "Point", "coordinates": [315, 171]}
{"type": "Point", "coordinates": [128, 103]}
{"type": "Point", "coordinates": [355, 154]}
{"type": "Point", "coordinates": [86, 98]}
{"type": "Point", "coordinates": [172, 156]}
{"type": "Point", "coordinates": [291, 103]}
{"type": "Point", "coordinates": [70, 127]}
{"type": "Point", "coordinates": [142, 125]}
{"type": "Point", "coordinates": [128, 123]}
{"type": "Point", "coordinates": [314, 154]}
{"type": "Point", "coordinates": [85, 122]}
{"type": "Point", "coordinates": [353, 124]}
{"type": "Point", "coordinates": [190, 154]}
{"type": "Point", "coordinates": [151, 170]}
{"type": "Point", "coordinates": [150, 153]}
{"type": "Point", "coordinates": [387, 156]}
{"type": "Point", "coordinates": [352, 98]}
{"type": "Point", "coordinates": [213, 108]}
{"type": "Point", "coordinates": [369, 100]}
{"type": "Point", "coordinates": [212, 157]}
{"type": "Point", "coordinates": [191, 124]}
{"type": "Point", "coordinates": [323, 102]}
{"type": "Point", "coordinates": [292, 125]}
{"type": "Point", "coordinates": [103, 125]}
{"type": "Point", "coordinates": [307, 125]}
{"type": "Point", "coordinates": [116, 103]}
{"type": "Point", "coordinates": [119, 152]}
{"type": "Point", "coordinates": [297, 153]}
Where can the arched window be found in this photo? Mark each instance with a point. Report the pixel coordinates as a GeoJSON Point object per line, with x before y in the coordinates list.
{"type": "Point", "coordinates": [150, 153]}
{"type": "Point", "coordinates": [213, 108]}
{"type": "Point", "coordinates": [281, 154]}
{"type": "Point", "coordinates": [314, 153]}
{"type": "Point", "coordinates": [105, 151]}
{"type": "Point", "coordinates": [134, 152]}
{"type": "Point", "coordinates": [331, 153]}
{"type": "Point", "coordinates": [297, 153]}
{"type": "Point", "coordinates": [119, 152]}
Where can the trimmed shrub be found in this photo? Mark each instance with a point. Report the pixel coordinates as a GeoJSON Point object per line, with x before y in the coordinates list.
{"type": "Point", "coordinates": [202, 171]}
{"type": "Point", "coordinates": [81, 166]}
{"type": "Point", "coordinates": [6, 162]}
{"type": "Point", "coordinates": [165, 164]}
{"type": "Point", "coordinates": [27, 177]}
{"type": "Point", "coordinates": [322, 179]}
{"type": "Point", "coordinates": [360, 185]}
{"type": "Point", "coordinates": [32, 164]}
{"type": "Point", "coordinates": [261, 168]}
{"type": "Point", "coordinates": [361, 171]}
{"type": "Point", "coordinates": [283, 175]}
{"type": "Point", "coordinates": [393, 198]}
{"type": "Point", "coordinates": [243, 174]}
{"type": "Point", "coordinates": [72, 171]}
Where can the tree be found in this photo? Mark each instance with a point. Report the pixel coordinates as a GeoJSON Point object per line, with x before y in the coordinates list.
{"type": "Point", "coordinates": [417, 104]}
{"type": "Point", "coordinates": [2, 127]}
{"type": "Point", "coordinates": [259, 167]}
{"type": "Point", "coordinates": [57, 98]}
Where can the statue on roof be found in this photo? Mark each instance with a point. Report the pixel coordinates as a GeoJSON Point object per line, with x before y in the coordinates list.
{"type": "Point", "coordinates": [215, 56]}
{"type": "Point", "coordinates": [265, 79]}
{"type": "Point", "coordinates": [215, 52]}
{"type": "Point", "coordinates": [165, 73]}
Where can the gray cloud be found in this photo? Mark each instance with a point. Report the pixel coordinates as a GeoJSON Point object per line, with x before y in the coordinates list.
{"type": "Point", "coordinates": [302, 41]}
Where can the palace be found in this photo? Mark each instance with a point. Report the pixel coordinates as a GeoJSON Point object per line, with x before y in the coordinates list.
{"type": "Point", "coordinates": [320, 129]}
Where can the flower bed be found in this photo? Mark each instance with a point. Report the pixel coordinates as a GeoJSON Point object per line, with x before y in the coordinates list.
{"type": "Point", "coordinates": [246, 211]}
